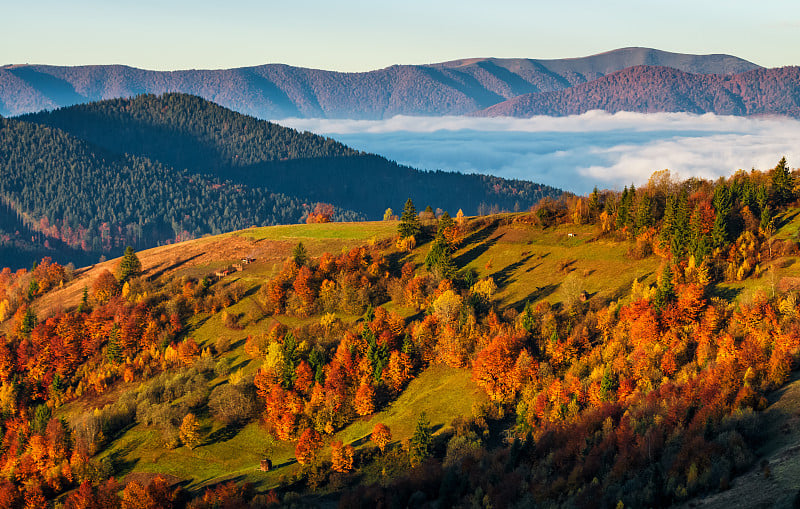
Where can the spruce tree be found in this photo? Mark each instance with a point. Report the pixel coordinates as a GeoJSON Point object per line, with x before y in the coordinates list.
{"type": "Point", "coordinates": [782, 185]}
{"type": "Point", "coordinates": [699, 243]}
{"type": "Point", "coordinates": [445, 222]}
{"type": "Point", "coordinates": [622, 209]}
{"type": "Point", "coordinates": [644, 216]}
{"type": "Point", "coordinates": [722, 207]}
{"type": "Point", "coordinates": [421, 441]}
{"type": "Point", "coordinates": [594, 203]}
{"type": "Point", "coordinates": [680, 226]}
{"type": "Point", "coordinates": [28, 322]}
{"type": "Point", "coordinates": [409, 222]}
{"type": "Point", "coordinates": [299, 254]}
{"type": "Point", "coordinates": [439, 260]}
{"type": "Point", "coordinates": [668, 222]}
{"type": "Point", "coordinates": [129, 266]}
{"type": "Point", "coordinates": [665, 291]}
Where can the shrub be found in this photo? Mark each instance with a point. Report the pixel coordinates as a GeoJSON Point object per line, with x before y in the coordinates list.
{"type": "Point", "coordinates": [229, 404]}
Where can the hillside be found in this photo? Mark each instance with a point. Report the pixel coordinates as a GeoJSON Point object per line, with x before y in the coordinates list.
{"type": "Point", "coordinates": [94, 200]}
{"type": "Point", "coordinates": [188, 132]}
{"type": "Point", "coordinates": [279, 91]}
{"type": "Point", "coordinates": [649, 89]}
{"type": "Point", "coordinates": [633, 347]}
{"type": "Point", "coordinates": [156, 169]}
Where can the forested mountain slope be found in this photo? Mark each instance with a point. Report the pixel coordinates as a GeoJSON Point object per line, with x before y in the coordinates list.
{"type": "Point", "coordinates": [96, 200]}
{"type": "Point", "coordinates": [649, 89]}
{"type": "Point", "coordinates": [280, 91]}
{"type": "Point", "coordinates": [189, 132]}
{"type": "Point", "coordinates": [153, 169]}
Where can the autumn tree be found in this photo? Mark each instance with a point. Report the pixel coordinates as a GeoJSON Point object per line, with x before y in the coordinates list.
{"type": "Point", "coordinates": [341, 457]}
{"type": "Point", "coordinates": [105, 287]}
{"type": "Point", "coordinates": [381, 435]}
{"type": "Point", "coordinates": [322, 213]}
{"type": "Point", "coordinates": [494, 368]}
{"type": "Point", "coordinates": [190, 431]}
{"type": "Point", "coordinates": [307, 447]}
{"type": "Point", "coordinates": [364, 401]}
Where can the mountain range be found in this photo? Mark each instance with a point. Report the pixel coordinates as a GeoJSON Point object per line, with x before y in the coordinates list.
{"type": "Point", "coordinates": [650, 89]}
{"type": "Point", "coordinates": [457, 87]}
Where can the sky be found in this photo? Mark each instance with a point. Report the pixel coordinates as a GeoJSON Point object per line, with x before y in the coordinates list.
{"type": "Point", "coordinates": [360, 35]}
{"type": "Point", "coordinates": [578, 152]}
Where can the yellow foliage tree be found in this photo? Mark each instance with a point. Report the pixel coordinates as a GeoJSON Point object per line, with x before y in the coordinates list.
{"type": "Point", "coordinates": [447, 306]}
{"type": "Point", "coordinates": [190, 431]}
{"type": "Point", "coordinates": [5, 306]}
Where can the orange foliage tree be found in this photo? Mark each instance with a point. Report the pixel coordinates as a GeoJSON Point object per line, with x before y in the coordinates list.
{"type": "Point", "coordinates": [381, 435]}
{"type": "Point", "coordinates": [307, 447]}
{"type": "Point", "coordinates": [341, 457]}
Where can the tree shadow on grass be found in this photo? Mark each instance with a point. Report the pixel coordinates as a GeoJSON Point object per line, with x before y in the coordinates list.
{"type": "Point", "coordinates": [540, 293]}
{"type": "Point", "coordinates": [223, 434]}
{"type": "Point", "coordinates": [728, 294]}
{"type": "Point", "coordinates": [482, 244]}
{"type": "Point", "coordinates": [119, 458]}
{"type": "Point", "coordinates": [502, 276]}
{"type": "Point", "coordinates": [786, 219]}
{"type": "Point", "coordinates": [166, 267]}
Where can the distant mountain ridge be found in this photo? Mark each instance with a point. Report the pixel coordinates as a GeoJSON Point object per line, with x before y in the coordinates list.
{"type": "Point", "coordinates": [649, 89]}
{"type": "Point", "coordinates": [277, 91]}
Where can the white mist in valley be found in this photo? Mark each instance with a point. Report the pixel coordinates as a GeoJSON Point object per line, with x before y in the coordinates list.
{"type": "Point", "coordinates": [574, 153]}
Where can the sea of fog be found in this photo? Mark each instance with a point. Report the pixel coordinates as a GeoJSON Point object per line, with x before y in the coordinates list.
{"type": "Point", "coordinates": [574, 153]}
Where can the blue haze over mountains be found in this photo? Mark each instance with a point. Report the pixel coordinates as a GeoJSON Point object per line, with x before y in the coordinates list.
{"type": "Point", "coordinates": [276, 91]}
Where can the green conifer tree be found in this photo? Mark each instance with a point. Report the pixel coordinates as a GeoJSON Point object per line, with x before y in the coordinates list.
{"type": "Point", "coordinates": [28, 322]}
{"type": "Point", "coordinates": [665, 291]}
{"type": "Point", "coordinates": [594, 204]}
{"type": "Point", "coordinates": [129, 266]}
{"type": "Point", "coordinates": [299, 254]}
{"type": "Point", "coordinates": [409, 222]}
{"type": "Point", "coordinates": [722, 208]}
{"type": "Point", "coordinates": [439, 260]}
{"type": "Point", "coordinates": [622, 209]}
{"type": "Point", "coordinates": [445, 222]}
{"type": "Point", "coordinates": [421, 441]}
{"type": "Point", "coordinates": [668, 222]}
{"type": "Point", "coordinates": [644, 215]}
{"type": "Point", "coordinates": [782, 185]}
{"type": "Point", "coordinates": [680, 226]}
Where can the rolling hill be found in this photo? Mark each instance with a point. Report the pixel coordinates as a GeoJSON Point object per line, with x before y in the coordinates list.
{"type": "Point", "coordinates": [649, 89]}
{"type": "Point", "coordinates": [562, 364]}
{"type": "Point", "coordinates": [276, 91]}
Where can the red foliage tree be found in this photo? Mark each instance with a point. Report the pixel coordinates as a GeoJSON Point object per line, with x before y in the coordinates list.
{"type": "Point", "coordinates": [307, 447]}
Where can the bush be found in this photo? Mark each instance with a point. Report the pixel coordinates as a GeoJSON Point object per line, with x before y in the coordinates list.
{"type": "Point", "coordinates": [222, 368]}
{"type": "Point", "coordinates": [230, 405]}
{"type": "Point", "coordinates": [222, 344]}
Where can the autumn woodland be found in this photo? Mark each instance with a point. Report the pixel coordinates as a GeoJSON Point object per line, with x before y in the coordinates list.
{"type": "Point", "coordinates": [609, 350]}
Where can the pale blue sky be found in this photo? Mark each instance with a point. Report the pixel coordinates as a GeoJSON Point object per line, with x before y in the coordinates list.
{"type": "Point", "coordinates": [355, 35]}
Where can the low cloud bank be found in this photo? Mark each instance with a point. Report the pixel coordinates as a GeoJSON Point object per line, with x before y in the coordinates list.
{"type": "Point", "coordinates": [577, 152]}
